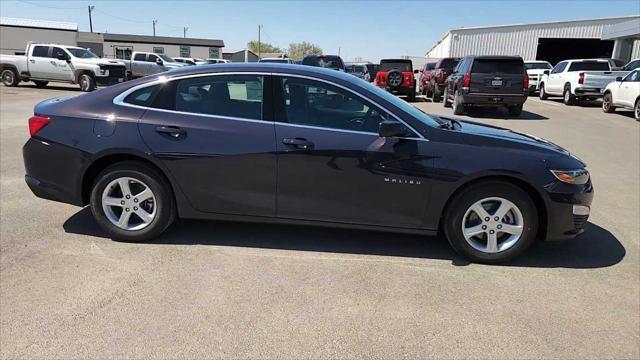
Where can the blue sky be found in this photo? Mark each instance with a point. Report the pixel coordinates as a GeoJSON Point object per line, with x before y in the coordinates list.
{"type": "Point", "coordinates": [368, 29]}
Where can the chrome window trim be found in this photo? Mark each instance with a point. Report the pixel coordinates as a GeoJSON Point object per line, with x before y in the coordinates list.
{"type": "Point", "coordinates": [119, 100]}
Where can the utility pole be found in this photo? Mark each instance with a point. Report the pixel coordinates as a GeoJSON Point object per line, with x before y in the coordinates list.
{"type": "Point", "coordinates": [338, 50]}
{"type": "Point", "coordinates": [154, 26]}
{"type": "Point", "coordinates": [184, 31]}
{"type": "Point", "coordinates": [259, 29]}
{"type": "Point", "coordinates": [90, 7]}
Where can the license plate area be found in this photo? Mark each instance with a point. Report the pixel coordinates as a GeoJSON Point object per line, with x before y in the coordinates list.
{"type": "Point", "coordinates": [496, 82]}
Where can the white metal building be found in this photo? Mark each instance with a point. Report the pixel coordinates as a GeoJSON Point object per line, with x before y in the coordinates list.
{"type": "Point", "coordinates": [15, 33]}
{"type": "Point", "coordinates": [552, 41]}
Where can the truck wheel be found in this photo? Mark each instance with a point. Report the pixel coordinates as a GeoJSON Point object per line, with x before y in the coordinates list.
{"type": "Point", "coordinates": [543, 93]}
{"type": "Point", "coordinates": [515, 110]}
{"type": "Point", "coordinates": [436, 94]}
{"type": "Point", "coordinates": [10, 77]}
{"type": "Point", "coordinates": [458, 107]}
{"type": "Point", "coordinates": [445, 98]}
{"type": "Point", "coordinates": [568, 98]}
{"type": "Point", "coordinates": [87, 83]}
{"type": "Point", "coordinates": [411, 96]}
{"type": "Point", "coordinates": [40, 84]}
{"type": "Point", "coordinates": [607, 103]}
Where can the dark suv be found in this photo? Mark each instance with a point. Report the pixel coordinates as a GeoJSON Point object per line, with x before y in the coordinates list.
{"type": "Point", "coordinates": [396, 76]}
{"type": "Point", "coordinates": [325, 61]}
{"type": "Point", "coordinates": [487, 81]}
{"type": "Point", "coordinates": [444, 67]}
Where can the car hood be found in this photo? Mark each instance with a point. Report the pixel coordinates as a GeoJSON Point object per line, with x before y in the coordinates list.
{"type": "Point", "coordinates": [495, 132]}
{"type": "Point", "coordinates": [97, 61]}
{"type": "Point", "coordinates": [174, 64]}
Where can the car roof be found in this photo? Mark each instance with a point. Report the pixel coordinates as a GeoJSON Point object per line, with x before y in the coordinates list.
{"type": "Point", "coordinates": [495, 57]}
{"type": "Point", "coordinates": [258, 67]}
{"type": "Point", "coordinates": [396, 60]}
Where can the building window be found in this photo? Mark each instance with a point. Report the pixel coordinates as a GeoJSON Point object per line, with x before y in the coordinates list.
{"type": "Point", "coordinates": [158, 49]}
{"type": "Point", "coordinates": [185, 51]}
{"type": "Point", "coordinates": [123, 53]}
{"type": "Point", "coordinates": [214, 53]}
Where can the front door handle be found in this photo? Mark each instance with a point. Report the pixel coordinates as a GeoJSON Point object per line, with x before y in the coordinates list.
{"type": "Point", "coordinates": [32, 61]}
{"type": "Point", "coordinates": [299, 143]}
{"type": "Point", "coordinates": [172, 132]}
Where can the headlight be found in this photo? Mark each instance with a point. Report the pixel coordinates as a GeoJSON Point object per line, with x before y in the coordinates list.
{"type": "Point", "coordinates": [578, 177]}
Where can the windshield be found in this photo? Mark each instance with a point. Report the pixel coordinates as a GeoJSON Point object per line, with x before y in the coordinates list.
{"type": "Point", "coordinates": [165, 58]}
{"type": "Point", "coordinates": [397, 102]}
{"type": "Point", "coordinates": [82, 53]}
{"type": "Point", "coordinates": [386, 65]}
{"type": "Point", "coordinates": [357, 69]}
{"type": "Point", "coordinates": [589, 65]}
{"type": "Point", "coordinates": [537, 66]}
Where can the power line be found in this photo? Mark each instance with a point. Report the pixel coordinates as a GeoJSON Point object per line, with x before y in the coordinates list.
{"type": "Point", "coordinates": [121, 18]}
{"type": "Point", "coordinates": [51, 7]}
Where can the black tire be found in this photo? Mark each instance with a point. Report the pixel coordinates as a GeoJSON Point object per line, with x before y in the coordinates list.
{"type": "Point", "coordinates": [445, 98]}
{"type": "Point", "coordinates": [636, 110]}
{"type": "Point", "coordinates": [394, 78]}
{"type": "Point", "coordinates": [458, 107]}
{"type": "Point", "coordinates": [568, 98]}
{"type": "Point", "coordinates": [156, 182]}
{"type": "Point", "coordinates": [463, 200]}
{"type": "Point", "coordinates": [542, 93]}
{"type": "Point", "coordinates": [40, 84]}
{"type": "Point", "coordinates": [87, 82]}
{"type": "Point", "coordinates": [515, 110]}
{"type": "Point", "coordinates": [607, 103]}
{"type": "Point", "coordinates": [411, 96]}
{"type": "Point", "coordinates": [10, 77]}
{"type": "Point", "coordinates": [436, 95]}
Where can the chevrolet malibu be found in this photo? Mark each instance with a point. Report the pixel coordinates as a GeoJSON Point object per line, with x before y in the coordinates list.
{"type": "Point", "coordinates": [299, 144]}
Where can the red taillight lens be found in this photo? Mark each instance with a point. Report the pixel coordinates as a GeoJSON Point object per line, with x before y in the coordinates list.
{"type": "Point", "coordinates": [581, 78]}
{"type": "Point", "coordinates": [36, 123]}
{"type": "Point", "coordinates": [466, 81]}
{"type": "Point", "coordinates": [525, 82]}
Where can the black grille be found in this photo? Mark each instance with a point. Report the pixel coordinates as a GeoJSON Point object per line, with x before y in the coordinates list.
{"type": "Point", "coordinates": [114, 70]}
{"type": "Point", "coordinates": [579, 221]}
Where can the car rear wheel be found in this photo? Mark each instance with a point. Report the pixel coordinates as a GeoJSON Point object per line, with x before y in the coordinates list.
{"type": "Point", "coordinates": [542, 94]}
{"type": "Point", "coordinates": [436, 96]}
{"type": "Point", "coordinates": [515, 110]}
{"type": "Point", "coordinates": [445, 98]}
{"type": "Point", "coordinates": [87, 83]}
{"type": "Point", "coordinates": [40, 84]}
{"type": "Point", "coordinates": [9, 77]}
{"type": "Point", "coordinates": [132, 201]}
{"type": "Point", "coordinates": [567, 97]}
{"type": "Point", "coordinates": [491, 222]}
{"type": "Point", "coordinates": [458, 107]}
{"type": "Point", "coordinates": [636, 110]}
{"type": "Point", "coordinates": [607, 103]}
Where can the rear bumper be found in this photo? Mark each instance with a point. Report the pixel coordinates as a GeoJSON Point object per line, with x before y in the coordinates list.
{"type": "Point", "coordinates": [568, 210]}
{"type": "Point", "coordinates": [485, 99]}
{"type": "Point", "coordinates": [591, 92]}
{"type": "Point", "coordinates": [402, 90]}
{"type": "Point", "coordinates": [53, 171]}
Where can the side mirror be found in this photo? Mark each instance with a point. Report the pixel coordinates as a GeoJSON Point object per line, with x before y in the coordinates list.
{"type": "Point", "coordinates": [619, 78]}
{"type": "Point", "coordinates": [416, 71]}
{"type": "Point", "coordinates": [546, 72]}
{"type": "Point", "coordinates": [390, 128]}
{"type": "Point", "coordinates": [159, 61]}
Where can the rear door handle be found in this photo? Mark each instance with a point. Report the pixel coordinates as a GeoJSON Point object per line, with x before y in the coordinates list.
{"type": "Point", "coordinates": [32, 61]}
{"type": "Point", "coordinates": [299, 143]}
{"type": "Point", "coordinates": [172, 132]}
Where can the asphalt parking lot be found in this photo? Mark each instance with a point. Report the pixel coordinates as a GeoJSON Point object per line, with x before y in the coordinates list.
{"type": "Point", "coordinates": [214, 289]}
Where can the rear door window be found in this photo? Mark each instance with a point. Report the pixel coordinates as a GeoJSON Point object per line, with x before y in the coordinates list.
{"type": "Point", "coordinates": [238, 96]}
{"type": "Point", "coordinates": [40, 51]}
{"type": "Point", "coordinates": [589, 66]}
{"type": "Point", "coordinates": [491, 66]}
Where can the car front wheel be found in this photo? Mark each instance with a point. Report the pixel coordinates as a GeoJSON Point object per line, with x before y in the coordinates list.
{"type": "Point", "coordinates": [491, 222]}
{"type": "Point", "coordinates": [542, 94]}
{"type": "Point", "coordinates": [132, 201]}
{"type": "Point", "coordinates": [87, 83]}
{"type": "Point", "coordinates": [636, 110]}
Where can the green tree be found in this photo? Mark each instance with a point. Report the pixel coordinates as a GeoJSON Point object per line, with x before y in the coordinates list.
{"type": "Point", "coordinates": [264, 47]}
{"type": "Point", "coordinates": [298, 50]}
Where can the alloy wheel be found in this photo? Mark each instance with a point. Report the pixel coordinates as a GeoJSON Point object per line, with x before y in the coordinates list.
{"type": "Point", "coordinates": [492, 225]}
{"type": "Point", "coordinates": [7, 77]}
{"type": "Point", "coordinates": [129, 203]}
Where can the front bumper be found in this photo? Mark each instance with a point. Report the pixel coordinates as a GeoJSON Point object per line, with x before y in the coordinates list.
{"type": "Point", "coordinates": [110, 74]}
{"type": "Point", "coordinates": [567, 210]}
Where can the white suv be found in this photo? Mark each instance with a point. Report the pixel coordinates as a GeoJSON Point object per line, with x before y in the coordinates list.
{"type": "Point", "coordinates": [623, 93]}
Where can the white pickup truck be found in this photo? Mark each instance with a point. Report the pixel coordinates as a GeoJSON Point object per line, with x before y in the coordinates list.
{"type": "Point", "coordinates": [144, 63]}
{"type": "Point", "coordinates": [50, 62]}
{"type": "Point", "coordinates": [583, 79]}
{"type": "Point", "coordinates": [535, 70]}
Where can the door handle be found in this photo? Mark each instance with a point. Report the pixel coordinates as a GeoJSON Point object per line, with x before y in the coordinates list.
{"type": "Point", "coordinates": [299, 143]}
{"type": "Point", "coordinates": [172, 132]}
{"type": "Point", "coordinates": [32, 61]}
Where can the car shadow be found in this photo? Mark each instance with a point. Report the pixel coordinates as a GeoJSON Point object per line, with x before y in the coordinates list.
{"type": "Point", "coordinates": [596, 248]}
{"type": "Point", "coordinates": [581, 103]}
{"type": "Point", "coordinates": [50, 87]}
{"type": "Point", "coordinates": [502, 113]}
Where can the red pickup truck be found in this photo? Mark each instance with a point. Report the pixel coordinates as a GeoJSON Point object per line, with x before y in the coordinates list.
{"type": "Point", "coordinates": [396, 76]}
{"type": "Point", "coordinates": [426, 73]}
{"type": "Point", "coordinates": [444, 67]}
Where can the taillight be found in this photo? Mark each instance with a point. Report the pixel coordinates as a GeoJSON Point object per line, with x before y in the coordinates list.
{"type": "Point", "coordinates": [36, 123]}
{"type": "Point", "coordinates": [525, 82]}
{"type": "Point", "coordinates": [408, 79]}
{"type": "Point", "coordinates": [581, 78]}
{"type": "Point", "coordinates": [466, 81]}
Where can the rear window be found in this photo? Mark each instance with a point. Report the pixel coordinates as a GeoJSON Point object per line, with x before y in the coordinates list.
{"type": "Point", "coordinates": [387, 65]}
{"type": "Point", "coordinates": [430, 66]}
{"type": "Point", "coordinates": [449, 63]}
{"type": "Point", "coordinates": [329, 62]}
{"type": "Point", "coordinates": [589, 66]}
{"type": "Point", "coordinates": [537, 66]}
{"type": "Point", "coordinates": [488, 66]}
